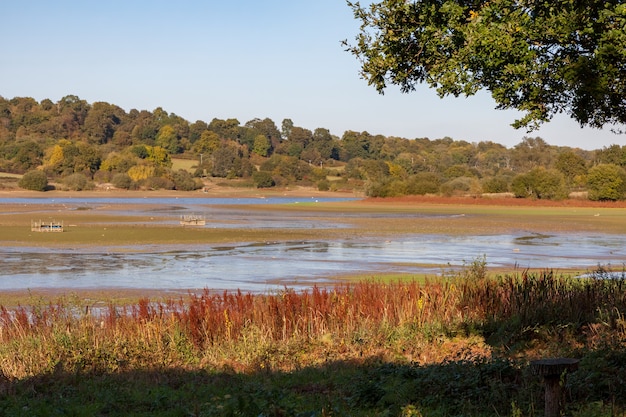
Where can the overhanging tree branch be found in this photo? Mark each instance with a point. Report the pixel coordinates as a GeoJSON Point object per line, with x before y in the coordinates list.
{"type": "Point", "coordinates": [540, 57]}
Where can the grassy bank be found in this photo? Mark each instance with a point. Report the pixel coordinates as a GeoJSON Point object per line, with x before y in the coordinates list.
{"type": "Point", "coordinates": [458, 347]}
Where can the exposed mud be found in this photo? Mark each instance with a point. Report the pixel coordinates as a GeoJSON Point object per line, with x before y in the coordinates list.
{"type": "Point", "coordinates": [278, 242]}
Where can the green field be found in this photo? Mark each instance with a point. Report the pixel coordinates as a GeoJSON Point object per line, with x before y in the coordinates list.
{"type": "Point", "coordinates": [184, 164]}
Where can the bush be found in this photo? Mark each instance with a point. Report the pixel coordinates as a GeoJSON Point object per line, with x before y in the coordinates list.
{"type": "Point", "coordinates": [100, 177]}
{"type": "Point", "coordinates": [183, 181]}
{"type": "Point", "coordinates": [289, 168]}
{"type": "Point", "coordinates": [158, 183]}
{"type": "Point", "coordinates": [34, 180]}
{"type": "Point", "coordinates": [76, 182]}
{"type": "Point", "coordinates": [323, 185]}
{"type": "Point", "coordinates": [423, 183]}
{"type": "Point", "coordinates": [497, 184]}
{"type": "Point", "coordinates": [387, 188]}
{"type": "Point", "coordinates": [263, 179]}
{"type": "Point", "coordinates": [461, 186]}
{"type": "Point", "coordinates": [319, 174]}
{"type": "Point", "coordinates": [457, 171]}
{"type": "Point", "coordinates": [122, 181]}
{"type": "Point", "coordinates": [377, 189]}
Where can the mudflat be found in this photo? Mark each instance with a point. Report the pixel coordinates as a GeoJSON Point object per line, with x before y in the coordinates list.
{"type": "Point", "coordinates": [129, 226]}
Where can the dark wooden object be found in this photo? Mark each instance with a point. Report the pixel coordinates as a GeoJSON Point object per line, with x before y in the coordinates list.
{"type": "Point", "coordinates": [554, 372]}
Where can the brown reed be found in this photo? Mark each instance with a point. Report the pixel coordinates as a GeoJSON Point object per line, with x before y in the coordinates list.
{"type": "Point", "coordinates": [244, 331]}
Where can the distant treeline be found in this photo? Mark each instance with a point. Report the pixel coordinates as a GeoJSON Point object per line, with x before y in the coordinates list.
{"type": "Point", "coordinates": [79, 144]}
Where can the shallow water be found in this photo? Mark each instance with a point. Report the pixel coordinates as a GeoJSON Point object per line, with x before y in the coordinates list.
{"type": "Point", "coordinates": [270, 266]}
{"type": "Point", "coordinates": [274, 265]}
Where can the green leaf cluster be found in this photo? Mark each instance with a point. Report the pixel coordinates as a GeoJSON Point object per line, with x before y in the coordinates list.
{"type": "Point", "coordinates": [540, 57]}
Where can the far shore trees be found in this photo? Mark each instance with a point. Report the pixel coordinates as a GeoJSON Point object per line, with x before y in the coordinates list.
{"type": "Point", "coordinates": [540, 183]}
{"type": "Point", "coordinates": [606, 182]}
{"type": "Point", "coordinates": [148, 150]}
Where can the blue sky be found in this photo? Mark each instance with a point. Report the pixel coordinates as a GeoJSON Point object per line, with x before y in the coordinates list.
{"type": "Point", "coordinates": [236, 59]}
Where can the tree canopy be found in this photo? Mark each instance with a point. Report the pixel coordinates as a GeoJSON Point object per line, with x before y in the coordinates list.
{"type": "Point", "coordinates": [77, 145]}
{"type": "Point", "coordinates": [541, 57]}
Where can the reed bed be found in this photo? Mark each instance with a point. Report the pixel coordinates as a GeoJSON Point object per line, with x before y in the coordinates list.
{"type": "Point", "coordinates": [467, 317]}
{"type": "Point", "coordinates": [348, 318]}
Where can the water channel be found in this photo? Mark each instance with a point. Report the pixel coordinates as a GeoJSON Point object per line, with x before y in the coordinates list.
{"type": "Point", "coordinates": [269, 266]}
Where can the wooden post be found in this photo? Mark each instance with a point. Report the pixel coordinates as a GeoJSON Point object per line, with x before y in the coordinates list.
{"type": "Point", "coordinates": [554, 372]}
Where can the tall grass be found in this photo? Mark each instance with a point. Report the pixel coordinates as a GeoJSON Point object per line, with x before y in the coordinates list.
{"type": "Point", "coordinates": [235, 328]}
{"type": "Point", "coordinates": [469, 317]}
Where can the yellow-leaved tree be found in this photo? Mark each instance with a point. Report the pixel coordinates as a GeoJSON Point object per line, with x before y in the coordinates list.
{"type": "Point", "coordinates": [159, 156]}
{"type": "Point", "coordinates": [141, 172]}
{"type": "Point", "coordinates": [55, 157]}
{"type": "Point", "coordinates": [396, 170]}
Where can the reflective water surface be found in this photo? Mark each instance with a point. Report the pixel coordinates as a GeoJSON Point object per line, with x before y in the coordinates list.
{"type": "Point", "coordinates": [274, 265]}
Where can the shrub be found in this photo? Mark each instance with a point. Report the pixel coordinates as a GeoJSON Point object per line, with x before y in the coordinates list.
{"type": "Point", "coordinates": [461, 186]}
{"type": "Point", "coordinates": [100, 177]}
{"type": "Point", "coordinates": [183, 181]}
{"type": "Point", "coordinates": [140, 151]}
{"type": "Point", "coordinates": [141, 172]}
{"type": "Point", "coordinates": [158, 183]}
{"type": "Point", "coordinates": [377, 189]}
{"type": "Point", "coordinates": [263, 179]}
{"type": "Point", "coordinates": [496, 184]}
{"type": "Point", "coordinates": [423, 183]}
{"type": "Point", "coordinates": [76, 182]}
{"type": "Point", "coordinates": [323, 185]}
{"type": "Point", "coordinates": [540, 183]}
{"type": "Point", "coordinates": [319, 174]}
{"type": "Point", "coordinates": [290, 168]}
{"type": "Point", "coordinates": [34, 180]}
{"type": "Point", "coordinates": [122, 181]}
{"type": "Point", "coordinates": [387, 188]}
{"type": "Point", "coordinates": [457, 171]}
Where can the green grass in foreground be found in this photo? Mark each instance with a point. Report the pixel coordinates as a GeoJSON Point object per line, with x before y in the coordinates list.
{"type": "Point", "coordinates": [437, 348]}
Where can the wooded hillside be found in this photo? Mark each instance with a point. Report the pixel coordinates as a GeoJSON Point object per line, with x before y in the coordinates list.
{"type": "Point", "coordinates": [80, 144]}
